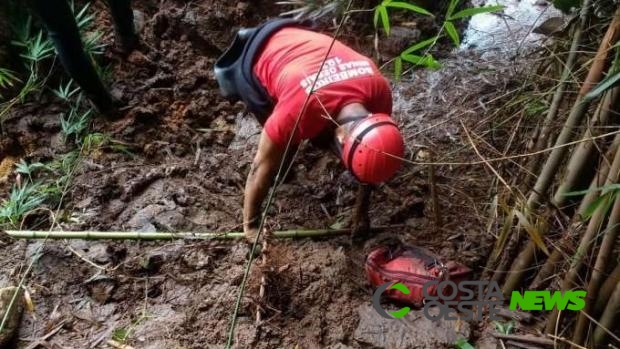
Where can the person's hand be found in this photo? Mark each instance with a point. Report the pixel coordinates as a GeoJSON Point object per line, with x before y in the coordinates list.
{"type": "Point", "coordinates": [250, 233]}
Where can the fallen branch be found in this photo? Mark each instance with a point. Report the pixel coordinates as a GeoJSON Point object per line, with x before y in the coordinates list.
{"type": "Point", "coordinates": [136, 235]}
{"type": "Point", "coordinates": [536, 340]}
{"type": "Point", "coordinates": [525, 339]}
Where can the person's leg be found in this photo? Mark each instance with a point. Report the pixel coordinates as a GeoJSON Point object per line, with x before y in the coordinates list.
{"type": "Point", "coordinates": [122, 15]}
{"type": "Point", "coordinates": [63, 31]}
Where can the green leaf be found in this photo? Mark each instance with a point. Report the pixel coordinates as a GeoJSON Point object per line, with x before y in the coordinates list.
{"type": "Point", "coordinates": [606, 84]}
{"type": "Point", "coordinates": [385, 19]}
{"type": "Point", "coordinates": [451, 30]}
{"type": "Point", "coordinates": [376, 18]}
{"type": "Point", "coordinates": [451, 7]}
{"type": "Point", "coordinates": [427, 61]}
{"type": "Point", "coordinates": [410, 7]}
{"type": "Point", "coordinates": [398, 68]}
{"type": "Point", "coordinates": [475, 11]}
{"type": "Point", "coordinates": [604, 200]}
{"type": "Point", "coordinates": [603, 188]}
{"type": "Point", "coordinates": [420, 45]}
{"type": "Point", "coordinates": [120, 334]}
{"type": "Point", "coordinates": [462, 343]}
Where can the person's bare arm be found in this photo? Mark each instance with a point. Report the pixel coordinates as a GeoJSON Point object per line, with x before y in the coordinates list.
{"type": "Point", "coordinates": [261, 177]}
{"type": "Point", "coordinates": [360, 226]}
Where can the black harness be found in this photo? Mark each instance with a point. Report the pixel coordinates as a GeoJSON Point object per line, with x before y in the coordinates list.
{"type": "Point", "coordinates": [234, 69]}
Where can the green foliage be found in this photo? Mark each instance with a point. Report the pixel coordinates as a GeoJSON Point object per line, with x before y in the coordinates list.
{"type": "Point", "coordinates": [120, 334]}
{"type": "Point", "coordinates": [66, 92]}
{"type": "Point", "coordinates": [75, 123]}
{"type": "Point", "coordinates": [23, 199]}
{"type": "Point", "coordinates": [605, 200]}
{"type": "Point", "coordinates": [610, 81]}
{"type": "Point", "coordinates": [462, 343]}
{"type": "Point", "coordinates": [414, 54]}
{"type": "Point", "coordinates": [7, 79]}
{"type": "Point", "coordinates": [37, 48]}
{"type": "Point", "coordinates": [381, 12]}
{"type": "Point", "coordinates": [29, 169]}
{"type": "Point", "coordinates": [46, 183]}
{"type": "Point", "coordinates": [504, 327]}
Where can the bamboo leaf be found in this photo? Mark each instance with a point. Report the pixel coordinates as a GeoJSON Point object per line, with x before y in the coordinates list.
{"type": "Point", "coordinates": [532, 231]}
{"type": "Point", "coordinates": [410, 7]}
{"type": "Point", "coordinates": [420, 45]}
{"type": "Point", "coordinates": [454, 35]}
{"type": "Point", "coordinates": [451, 7]}
{"type": "Point", "coordinates": [468, 12]}
{"type": "Point", "coordinates": [604, 200]}
{"type": "Point", "coordinates": [385, 19]}
{"type": "Point", "coordinates": [426, 61]}
{"type": "Point", "coordinates": [605, 188]}
{"type": "Point", "coordinates": [398, 68]}
{"type": "Point", "coordinates": [606, 84]}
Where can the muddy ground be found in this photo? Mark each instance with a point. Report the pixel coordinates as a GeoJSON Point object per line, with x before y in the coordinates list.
{"type": "Point", "coordinates": [189, 153]}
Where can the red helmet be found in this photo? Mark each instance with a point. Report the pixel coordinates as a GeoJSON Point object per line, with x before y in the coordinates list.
{"type": "Point", "coordinates": [374, 149]}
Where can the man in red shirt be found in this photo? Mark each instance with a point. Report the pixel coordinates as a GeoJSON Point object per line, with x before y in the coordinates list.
{"type": "Point", "coordinates": [274, 69]}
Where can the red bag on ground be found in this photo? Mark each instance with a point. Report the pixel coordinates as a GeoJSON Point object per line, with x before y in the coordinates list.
{"type": "Point", "coordinates": [413, 267]}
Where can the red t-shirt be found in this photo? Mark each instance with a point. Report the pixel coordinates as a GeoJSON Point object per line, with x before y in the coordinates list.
{"type": "Point", "coordinates": [287, 67]}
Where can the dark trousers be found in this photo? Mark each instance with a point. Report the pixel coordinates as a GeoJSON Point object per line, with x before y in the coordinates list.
{"type": "Point", "coordinates": [63, 31]}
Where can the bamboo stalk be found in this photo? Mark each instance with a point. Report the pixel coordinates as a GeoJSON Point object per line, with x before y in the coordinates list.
{"type": "Point", "coordinates": [135, 235]}
{"type": "Point", "coordinates": [587, 241]}
{"type": "Point", "coordinates": [606, 249]}
{"type": "Point", "coordinates": [551, 264]}
{"type": "Point", "coordinates": [580, 165]}
{"type": "Point", "coordinates": [558, 95]}
{"type": "Point", "coordinates": [263, 285]}
{"type": "Point", "coordinates": [600, 60]}
{"type": "Point", "coordinates": [606, 290]}
{"type": "Point", "coordinates": [525, 258]}
{"type": "Point", "coordinates": [608, 318]}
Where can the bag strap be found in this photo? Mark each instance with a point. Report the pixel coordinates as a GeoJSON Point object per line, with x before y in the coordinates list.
{"type": "Point", "coordinates": [430, 260]}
